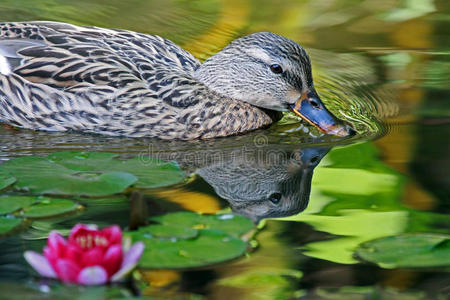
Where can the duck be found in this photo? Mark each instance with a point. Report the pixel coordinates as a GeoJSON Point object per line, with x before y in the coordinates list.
{"type": "Point", "coordinates": [63, 77]}
{"type": "Point", "coordinates": [258, 186]}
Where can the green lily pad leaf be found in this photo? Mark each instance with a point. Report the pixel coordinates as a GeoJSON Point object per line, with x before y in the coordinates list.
{"type": "Point", "coordinates": [169, 231]}
{"type": "Point", "coordinates": [8, 224]}
{"type": "Point", "coordinates": [366, 292]}
{"type": "Point", "coordinates": [56, 290]}
{"type": "Point", "coordinates": [36, 206]}
{"type": "Point", "coordinates": [40, 175]}
{"type": "Point", "coordinates": [208, 248]}
{"type": "Point", "coordinates": [409, 250]}
{"type": "Point", "coordinates": [151, 172]}
{"type": "Point", "coordinates": [262, 277]}
{"type": "Point", "coordinates": [186, 240]}
{"type": "Point", "coordinates": [6, 179]}
{"type": "Point", "coordinates": [48, 207]}
{"type": "Point", "coordinates": [227, 223]}
{"type": "Point", "coordinates": [10, 204]}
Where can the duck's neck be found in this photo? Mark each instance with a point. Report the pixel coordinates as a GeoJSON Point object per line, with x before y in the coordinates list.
{"type": "Point", "coordinates": [218, 77]}
{"type": "Point", "coordinates": [273, 114]}
{"type": "Point", "coordinates": [238, 114]}
{"type": "Point", "coordinates": [224, 116]}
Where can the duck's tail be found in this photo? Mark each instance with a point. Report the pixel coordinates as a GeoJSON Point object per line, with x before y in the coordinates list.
{"type": "Point", "coordinates": [5, 68]}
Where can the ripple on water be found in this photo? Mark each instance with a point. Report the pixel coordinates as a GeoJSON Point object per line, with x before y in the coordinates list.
{"type": "Point", "coordinates": [351, 86]}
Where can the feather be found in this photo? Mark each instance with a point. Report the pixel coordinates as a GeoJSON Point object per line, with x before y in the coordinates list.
{"type": "Point", "coordinates": [5, 68]}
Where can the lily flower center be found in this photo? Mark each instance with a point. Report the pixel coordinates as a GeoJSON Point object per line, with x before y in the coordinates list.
{"type": "Point", "coordinates": [89, 241]}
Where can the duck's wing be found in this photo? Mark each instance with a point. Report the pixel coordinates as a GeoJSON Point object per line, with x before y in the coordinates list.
{"type": "Point", "coordinates": [63, 77]}
{"type": "Point", "coordinates": [64, 55]}
{"type": "Point", "coordinates": [153, 47]}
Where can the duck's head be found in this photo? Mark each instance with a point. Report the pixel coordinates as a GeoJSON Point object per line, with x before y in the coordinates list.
{"type": "Point", "coordinates": [272, 72]}
{"type": "Point", "coordinates": [265, 181]}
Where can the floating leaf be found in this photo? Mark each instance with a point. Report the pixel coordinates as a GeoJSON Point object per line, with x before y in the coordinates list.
{"type": "Point", "coordinates": [48, 207]}
{"type": "Point", "coordinates": [10, 204]}
{"type": "Point", "coordinates": [365, 292]}
{"type": "Point", "coordinates": [8, 224]}
{"type": "Point", "coordinates": [227, 223]}
{"type": "Point", "coordinates": [151, 172]}
{"type": "Point", "coordinates": [89, 173]}
{"type": "Point", "coordinates": [169, 231]}
{"type": "Point", "coordinates": [186, 239]}
{"type": "Point", "coordinates": [265, 283]}
{"type": "Point", "coordinates": [262, 277]}
{"type": "Point", "coordinates": [6, 179]}
{"type": "Point", "coordinates": [55, 290]}
{"type": "Point", "coordinates": [36, 206]}
{"type": "Point", "coordinates": [409, 250]}
{"type": "Point", "coordinates": [208, 248]}
{"type": "Point", "coordinates": [41, 175]}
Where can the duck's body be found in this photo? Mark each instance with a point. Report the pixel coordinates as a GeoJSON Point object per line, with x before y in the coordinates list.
{"type": "Point", "coordinates": [111, 82]}
{"type": "Point", "coordinates": [59, 77]}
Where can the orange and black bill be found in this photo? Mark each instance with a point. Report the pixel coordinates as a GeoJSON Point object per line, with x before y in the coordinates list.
{"type": "Point", "coordinates": [311, 109]}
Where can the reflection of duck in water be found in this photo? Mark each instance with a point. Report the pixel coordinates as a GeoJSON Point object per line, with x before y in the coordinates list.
{"type": "Point", "coordinates": [58, 77]}
{"type": "Point", "coordinates": [265, 182]}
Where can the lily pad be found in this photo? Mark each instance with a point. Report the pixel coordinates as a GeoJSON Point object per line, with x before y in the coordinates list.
{"type": "Point", "coordinates": [6, 179]}
{"type": "Point", "coordinates": [151, 172]}
{"type": "Point", "coordinates": [56, 290]}
{"type": "Point", "coordinates": [408, 250]}
{"type": "Point", "coordinates": [36, 206]}
{"type": "Point", "coordinates": [366, 292]}
{"type": "Point", "coordinates": [89, 173]}
{"type": "Point", "coordinates": [227, 223]}
{"type": "Point", "coordinates": [8, 224]}
{"type": "Point", "coordinates": [48, 207]}
{"type": "Point", "coordinates": [186, 240]}
{"type": "Point", "coordinates": [10, 204]}
{"type": "Point", "coordinates": [169, 231]}
{"type": "Point", "coordinates": [208, 248]}
{"type": "Point", "coordinates": [40, 175]}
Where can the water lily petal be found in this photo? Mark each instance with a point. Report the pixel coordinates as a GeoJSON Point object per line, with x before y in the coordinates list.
{"type": "Point", "coordinates": [56, 243]}
{"type": "Point", "coordinates": [74, 254]}
{"type": "Point", "coordinates": [112, 259]}
{"type": "Point", "coordinates": [113, 234]}
{"type": "Point", "coordinates": [94, 275]}
{"type": "Point", "coordinates": [92, 257]}
{"type": "Point", "coordinates": [134, 254]}
{"type": "Point", "coordinates": [67, 270]}
{"type": "Point", "coordinates": [50, 255]}
{"type": "Point", "coordinates": [130, 261]}
{"type": "Point", "coordinates": [78, 227]}
{"type": "Point", "coordinates": [40, 264]}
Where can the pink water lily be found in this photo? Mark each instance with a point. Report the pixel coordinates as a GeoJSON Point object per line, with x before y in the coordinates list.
{"type": "Point", "coordinates": [89, 256]}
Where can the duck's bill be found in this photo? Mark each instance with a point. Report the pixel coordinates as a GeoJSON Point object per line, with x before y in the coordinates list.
{"type": "Point", "coordinates": [311, 109]}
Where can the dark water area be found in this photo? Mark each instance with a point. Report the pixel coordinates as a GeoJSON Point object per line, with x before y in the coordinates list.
{"type": "Point", "coordinates": [382, 65]}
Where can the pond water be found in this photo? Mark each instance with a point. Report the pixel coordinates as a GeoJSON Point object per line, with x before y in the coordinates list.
{"type": "Point", "coordinates": [383, 65]}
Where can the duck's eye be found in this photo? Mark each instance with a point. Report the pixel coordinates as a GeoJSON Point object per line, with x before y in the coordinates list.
{"type": "Point", "coordinates": [275, 198]}
{"type": "Point", "coordinates": [314, 159]}
{"type": "Point", "coordinates": [314, 104]}
{"type": "Point", "coordinates": [276, 68]}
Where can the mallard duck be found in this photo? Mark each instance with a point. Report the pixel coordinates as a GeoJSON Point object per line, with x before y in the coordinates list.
{"type": "Point", "coordinates": [258, 186]}
{"type": "Point", "coordinates": [61, 77]}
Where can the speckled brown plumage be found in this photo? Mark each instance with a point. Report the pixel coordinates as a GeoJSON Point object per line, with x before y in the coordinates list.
{"type": "Point", "coordinates": [113, 82]}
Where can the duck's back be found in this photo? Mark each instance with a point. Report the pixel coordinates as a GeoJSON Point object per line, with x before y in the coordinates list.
{"type": "Point", "coordinates": [55, 41]}
{"type": "Point", "coordinates": [58, 77]}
